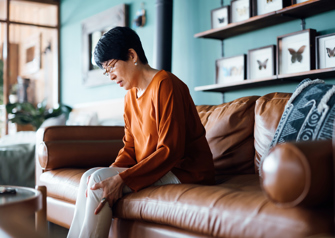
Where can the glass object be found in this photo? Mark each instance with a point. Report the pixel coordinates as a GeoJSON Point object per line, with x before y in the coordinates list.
{"type": "Point", "coordinates": [33, 64]}
{"type": "Point", "coordinates": [33, 13]}
{"type": "Point", "coordinates": [3, 8]}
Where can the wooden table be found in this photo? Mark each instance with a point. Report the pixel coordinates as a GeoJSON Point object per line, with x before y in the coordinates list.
{"type": "Point", "coordinates": [16, 209]}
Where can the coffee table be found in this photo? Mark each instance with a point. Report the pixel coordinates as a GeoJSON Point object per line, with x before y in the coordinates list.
{"type": "Point", "coordinates": [25, 201]}
{"type": "Point", "coordinates": [17, 208]}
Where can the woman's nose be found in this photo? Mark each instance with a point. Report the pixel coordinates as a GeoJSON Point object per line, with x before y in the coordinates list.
{"type": "Point", "coordinates": [112, 76]}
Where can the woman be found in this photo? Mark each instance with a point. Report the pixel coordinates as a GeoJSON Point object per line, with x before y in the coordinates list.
{"type": "Point", "coordinates": [164, 140]}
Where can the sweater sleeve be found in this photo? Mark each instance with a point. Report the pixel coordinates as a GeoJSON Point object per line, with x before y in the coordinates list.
{"type": "Point", "coordinates": [170, 123]}
{"type": "Point", "coordinates": [126, 156]}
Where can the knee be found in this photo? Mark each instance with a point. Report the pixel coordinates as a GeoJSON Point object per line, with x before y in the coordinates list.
{"type": "Point", "coordinates": [85, 176]}
{"type": "Point", "coordinates": [102, 174]}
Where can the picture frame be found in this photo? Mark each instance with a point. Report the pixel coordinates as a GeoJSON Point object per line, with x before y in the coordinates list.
{"type": "Point", "coordinates": [325, 51]}
{"type": "Point", "coordinates": [32, 54]}
{"type": "Point", "coordinates": [241, 10]}
{"type": "Point", "coordinates": [230, 69]}
{"type": "Point", "coordinates": [261, 7]}
{"type": "Point", "coordinates": [262, 62]}
{"type": "Point", "coordinates": [296, 52]}
{"type": "Point", "coordinates": [220, 17]}
{"type": "Point", "coordinates": [298, 1]}
{"type": "Point", "coordinates": [92, 29]}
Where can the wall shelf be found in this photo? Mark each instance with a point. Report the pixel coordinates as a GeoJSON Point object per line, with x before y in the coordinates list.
{"type": "Point", "coordinates": [293, 12]}
{"type": "Point", "coordinates": [250, 83]}
{"type": "Point", "coordinates": [290, 13]}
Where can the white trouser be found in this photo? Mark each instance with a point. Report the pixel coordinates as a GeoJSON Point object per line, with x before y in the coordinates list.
{"type": "Point", "coordinates": [85, 223]}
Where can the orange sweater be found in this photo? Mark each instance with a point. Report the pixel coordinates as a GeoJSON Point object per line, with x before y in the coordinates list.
{"type": "Point", "coordinates": [163, 132]}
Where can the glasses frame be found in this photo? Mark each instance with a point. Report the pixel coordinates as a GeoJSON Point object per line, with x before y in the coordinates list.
{"type": "Point", "coordinates": [110, 70]}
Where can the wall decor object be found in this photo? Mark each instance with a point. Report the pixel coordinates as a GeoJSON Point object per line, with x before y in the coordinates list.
{"type": "Point", "coordinates": [261, 7]}
{"type": "Point", "coordinates": [32, 54]}
{"type": "Point", "coordinates": [298, 1]}
{"type": "Point", "coordinates": [92, 29]}
{"type": "Point", "coordinates": [220, 17]}
{"type": "Point", "coordinates": [140, 18]}
{"type": "Point", "coordinates": [230, 69]}
{"type": "Point", "coordinates": [325, 51]}
{"type": "Point", "coordinates": [295, 52]}
{"type": "Point", "coordinates": [262, 62]}
{"type": "Point", "coordinates": [240, 10]}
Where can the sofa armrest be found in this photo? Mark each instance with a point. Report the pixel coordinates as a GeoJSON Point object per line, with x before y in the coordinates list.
{"type": "Point", "coordinates": [299, 173]}
{"type": "Point", "coordinates": [78, 146]}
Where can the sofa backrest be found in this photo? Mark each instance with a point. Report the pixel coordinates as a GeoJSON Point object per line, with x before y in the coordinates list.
{"type": "Point", "coordinates": [229, 132]}
{"type": "Point", "coordinates": [239, 132]}
{"type": "Point", "coordinates": [268, 111]}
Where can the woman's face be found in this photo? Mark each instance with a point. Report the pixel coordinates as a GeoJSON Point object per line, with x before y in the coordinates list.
{"type": "Point", "coordinates": [121, 72]}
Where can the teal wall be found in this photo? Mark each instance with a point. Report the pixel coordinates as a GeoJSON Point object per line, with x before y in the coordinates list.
{"type": "Point", "coordinates": [193, 59]}
{"type": "Point", "coordinates": [73, 12]}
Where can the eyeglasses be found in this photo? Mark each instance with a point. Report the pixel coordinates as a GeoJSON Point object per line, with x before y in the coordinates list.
{"type": "Point", "coordinates": [111, 67]}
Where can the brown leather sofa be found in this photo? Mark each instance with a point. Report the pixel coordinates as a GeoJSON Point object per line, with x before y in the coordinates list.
{"type": "Point", "coordinates": [293, 198]}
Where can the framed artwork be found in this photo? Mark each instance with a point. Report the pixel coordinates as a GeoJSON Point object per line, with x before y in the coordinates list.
{"type": "Point", "coordinates": [240, 10]}
{"type": "Point", "coordinates": [265, 6]}
{"type": "Point", "coordinates": [262, 62]}
{"type": "Point", "coordinates": [230, 69]}
{"type": "Point", "coordinates": [325, 51]}
{"type": "Point", "coordinates": [298, 1]}
{"type": "Point", "coordinates": [92, 29]}
{"type": "Point", "coordinates": [32, 54]}
{"type": "Point", "coordinates": [220, 17]}
{"type": "Point", "coordinates": [295, 52]}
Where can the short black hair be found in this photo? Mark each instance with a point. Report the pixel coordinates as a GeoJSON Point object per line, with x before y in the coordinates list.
{"type": "Point", "coordinates": [115, 43]}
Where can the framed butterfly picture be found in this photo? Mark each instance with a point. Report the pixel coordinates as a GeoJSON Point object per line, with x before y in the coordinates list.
{"type": "Point", "coordinates": [262, 62]}
{"type": "Point", "coordinates": [325, 51]}
{"type": "Point", "coordinates": [240, 10]}
{"type": "Point", "coordinates": [261, 7]}
{"type": "Point", "coordinates": [220, 17]}
{"type": "Point", "coordinates": [230, 69]}
{"type": "Point", "coordinates": [296, 52]}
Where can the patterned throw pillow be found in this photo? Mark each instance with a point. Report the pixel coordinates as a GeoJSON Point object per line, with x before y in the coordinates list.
{"type": "Point", "coordinates": [308, 115]}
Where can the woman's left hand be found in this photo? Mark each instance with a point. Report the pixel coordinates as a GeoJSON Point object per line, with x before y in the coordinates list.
{"type": "Point", "coordinates": [112, 191]}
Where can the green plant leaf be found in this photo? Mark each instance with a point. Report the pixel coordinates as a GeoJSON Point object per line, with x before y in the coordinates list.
{"type": "Point", "coordinates": [26, 113]}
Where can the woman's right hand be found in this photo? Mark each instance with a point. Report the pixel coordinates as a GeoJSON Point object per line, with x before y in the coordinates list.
{"type": "Point", "coordinates": [88, 180]}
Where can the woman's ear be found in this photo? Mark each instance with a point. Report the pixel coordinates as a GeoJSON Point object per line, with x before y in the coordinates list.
{"type": "Point", "coordinates": [133, 55]}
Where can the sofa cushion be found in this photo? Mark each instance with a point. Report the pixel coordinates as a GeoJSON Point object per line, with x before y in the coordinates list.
{"type": "Point", "coordinates": [229, 132]}
{"type": "Point", "coordinates": [62, 184]}
{"type": "Point", "coordinates": [268, 111]}
{"type": "Point", "coordinates": [236, 208]}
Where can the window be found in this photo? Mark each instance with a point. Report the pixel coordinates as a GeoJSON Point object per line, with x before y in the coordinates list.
{"type": "Point", "coordinates": [29, 46]}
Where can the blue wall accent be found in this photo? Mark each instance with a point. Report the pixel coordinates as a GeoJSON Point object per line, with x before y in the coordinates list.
{"type": "Point", "coordinates": [193, 58]}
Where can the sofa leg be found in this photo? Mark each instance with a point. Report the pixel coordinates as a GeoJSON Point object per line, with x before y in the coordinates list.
{"type": "Point", "coordinates": [41, 224]}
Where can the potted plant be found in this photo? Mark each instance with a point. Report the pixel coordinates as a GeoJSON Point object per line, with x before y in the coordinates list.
{"type": "Point", "coordinates": [26, 113]}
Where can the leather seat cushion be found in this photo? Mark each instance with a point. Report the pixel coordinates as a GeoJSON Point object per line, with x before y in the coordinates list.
{"type": "Point", "coordinates": [239, 204]}
{"type": "Point", "coordinates": [236, 208]}
{"type": "Point", "coordinates": [62, 184]}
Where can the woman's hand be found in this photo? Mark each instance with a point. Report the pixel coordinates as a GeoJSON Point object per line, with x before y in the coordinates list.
{"type": "Point", "coordinates": [112, 191]}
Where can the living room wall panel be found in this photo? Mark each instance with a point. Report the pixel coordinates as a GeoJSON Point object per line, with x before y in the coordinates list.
{"type": "Point", "coordinates": [193, 60]}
